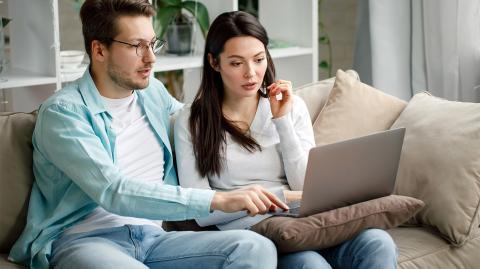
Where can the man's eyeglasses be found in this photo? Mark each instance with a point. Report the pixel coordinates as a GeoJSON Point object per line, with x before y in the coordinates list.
{"type": "Point", "coordinates": [143, 47]}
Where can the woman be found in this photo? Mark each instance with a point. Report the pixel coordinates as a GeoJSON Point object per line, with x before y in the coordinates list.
{"type": "Point", "coordinates": [244, 127]}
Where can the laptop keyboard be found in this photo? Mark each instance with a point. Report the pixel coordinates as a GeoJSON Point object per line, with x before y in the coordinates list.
{"type": "Point", "coordinates": [294, 210]}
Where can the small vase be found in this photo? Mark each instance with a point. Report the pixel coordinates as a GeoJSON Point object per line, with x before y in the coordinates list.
{"type": "Point", "coordinates": [179, 37]}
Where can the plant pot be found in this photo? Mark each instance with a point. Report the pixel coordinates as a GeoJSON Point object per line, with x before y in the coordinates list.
{"type": "Point", "coordinates": [179, 37]}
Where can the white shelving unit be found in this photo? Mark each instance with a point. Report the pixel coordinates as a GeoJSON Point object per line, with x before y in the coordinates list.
{"type": "Point", "coordinates": [35, 47]}
{"type": "Point", "coordinates": [291, 21]}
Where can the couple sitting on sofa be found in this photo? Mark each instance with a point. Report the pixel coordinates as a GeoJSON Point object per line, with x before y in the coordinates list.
{"type": "Point", "coordinates": [104, 166]}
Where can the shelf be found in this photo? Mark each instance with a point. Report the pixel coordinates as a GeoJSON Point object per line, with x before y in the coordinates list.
{"type": "Point", "coordinates": [290, 52]}
{"type": "Point", "coordinates": [173, 62]}
{"type": "Point", "coordinates": [21, 78]}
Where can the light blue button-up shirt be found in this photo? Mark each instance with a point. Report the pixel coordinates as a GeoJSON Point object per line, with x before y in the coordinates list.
{"type": "Point", "coordinates": [74, 167]}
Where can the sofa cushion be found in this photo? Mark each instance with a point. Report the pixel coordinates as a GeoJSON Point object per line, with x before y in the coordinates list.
{"type": "Point", "coordinates": [315, 94]}
{"type": "Point", "coordinates": [423, 248]}
{"type": "Point", "coordinates": [332, 227]}
{"type": "Point", "coordinates": [16, 175]}
{"type": "Point", "coordinates": [354, 109]}
{"type": "Point", "coordinates": [440, 163]}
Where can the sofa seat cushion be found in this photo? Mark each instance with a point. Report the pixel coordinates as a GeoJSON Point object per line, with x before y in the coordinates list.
{"type": "Point", "coordinates": [16, 175]}
{"type": "Point", "coordinates": [5, 264]}
{"type": "Point", "coordinates": [423, 248]}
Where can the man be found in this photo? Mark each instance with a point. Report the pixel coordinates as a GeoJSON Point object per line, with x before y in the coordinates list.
{"type": "Point", "coordinates": [104, 168]}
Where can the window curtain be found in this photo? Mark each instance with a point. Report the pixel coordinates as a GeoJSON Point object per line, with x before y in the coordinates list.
{"type": "Point", "coordinates": [407, 46]}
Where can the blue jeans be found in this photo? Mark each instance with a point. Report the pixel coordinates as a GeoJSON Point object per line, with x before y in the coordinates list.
{"type": "Point", "coordinates": [372, 249]}
{"type": "Point", "coordinates": [134, 246]}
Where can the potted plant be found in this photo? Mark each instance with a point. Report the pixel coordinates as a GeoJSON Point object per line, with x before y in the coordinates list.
{"type": "Point", "coordinates": [5, 21]}
{"type": "Point", "coordinates": [173, 22]}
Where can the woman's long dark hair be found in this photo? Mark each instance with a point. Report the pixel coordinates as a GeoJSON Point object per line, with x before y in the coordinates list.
{"type": "Point", "coordinates": [208, 126]}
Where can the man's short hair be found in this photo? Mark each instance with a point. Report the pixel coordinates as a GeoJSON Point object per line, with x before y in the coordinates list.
{"type": "Point", "coordinates": [99, 18]}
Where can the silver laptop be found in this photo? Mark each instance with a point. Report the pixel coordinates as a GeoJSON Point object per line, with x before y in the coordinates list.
{"type": "Point", "coordinates": [349, 172]}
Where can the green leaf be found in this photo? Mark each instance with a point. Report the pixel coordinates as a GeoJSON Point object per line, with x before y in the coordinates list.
{"type": "Point", "coordinates": [201, 14]}
{"type": "Point", "coordinates": [323, 40]}
{"type": "Point", "coordinates": [324, 64]}
{"type": "Point", "coordinates": [163, 18]}
{"type": "Point", "coordinates": [170, 2]}
{"type": "Point", "coordinates": [5, 21]}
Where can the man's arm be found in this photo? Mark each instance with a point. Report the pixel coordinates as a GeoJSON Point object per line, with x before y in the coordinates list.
{"type": "Point", "coordinates": [68, 136]}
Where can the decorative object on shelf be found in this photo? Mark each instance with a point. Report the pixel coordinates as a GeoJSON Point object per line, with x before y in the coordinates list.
{"type": "Point", "coordinates": [172, 21]}
{"type": "Point", "coordinates": [71, 58]}
{"type": "Point", "coordinates": [71, 61]}
{"type": "Point", "coordinates": [5, 21]}
{"type": "Point", "coordinates": [3, 60]}
{"type": "Point", "coordinates": [250, 6]}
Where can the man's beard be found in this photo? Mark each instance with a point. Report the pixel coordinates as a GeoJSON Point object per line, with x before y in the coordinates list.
{"type": "Point", "coordinates": [123, 81]}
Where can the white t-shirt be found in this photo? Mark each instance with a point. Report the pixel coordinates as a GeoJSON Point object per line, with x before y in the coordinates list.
{"type": "Point", "coordinates": [139, 156]}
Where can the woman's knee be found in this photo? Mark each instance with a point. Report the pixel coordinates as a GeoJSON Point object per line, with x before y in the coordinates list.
{"type": "Point", "coordinates": [378, 242]}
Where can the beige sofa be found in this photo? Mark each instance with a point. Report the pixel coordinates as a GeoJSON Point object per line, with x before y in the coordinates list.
{"type": "Point", "coordinates": [419, 247]}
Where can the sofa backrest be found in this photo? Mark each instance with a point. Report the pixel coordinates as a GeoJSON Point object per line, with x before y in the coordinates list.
{"type": "Point", "coordinates": [16, 174]}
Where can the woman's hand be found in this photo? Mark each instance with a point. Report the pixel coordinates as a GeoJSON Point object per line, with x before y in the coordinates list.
{"type": "Point", "coordinates": [284, 105]}
{"type": "Point", "coordinates": [292, 196]}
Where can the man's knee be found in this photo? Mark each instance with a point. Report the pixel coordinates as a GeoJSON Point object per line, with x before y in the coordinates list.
{"type": "Point", "coordinates": [251, 250]}
{"type": "Point", "coordinates": [252, 242]}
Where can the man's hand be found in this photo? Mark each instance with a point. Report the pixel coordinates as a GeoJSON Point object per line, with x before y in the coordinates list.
{"type": "Point", "coordinates": [254, 199]}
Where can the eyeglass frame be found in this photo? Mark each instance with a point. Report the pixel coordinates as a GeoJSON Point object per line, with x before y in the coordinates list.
{"type": "Point", "coordinates": [140, 45]}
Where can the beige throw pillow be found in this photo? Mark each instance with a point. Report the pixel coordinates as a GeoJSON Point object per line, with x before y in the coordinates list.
{"type": "Point", "coordinates": [354, 109]}
{"type": "Point", "coordinates": [333, 227]}
{"type": "Point", "coordinates": [440, 163]}
{"type": "Point", "coordinates": [315, 94]}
